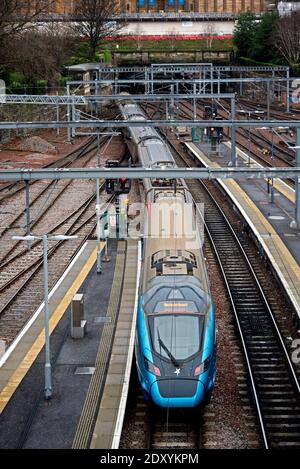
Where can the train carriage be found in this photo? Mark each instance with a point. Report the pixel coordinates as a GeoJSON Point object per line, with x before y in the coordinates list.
{"type": "Point", "coordinates": [175, 339]}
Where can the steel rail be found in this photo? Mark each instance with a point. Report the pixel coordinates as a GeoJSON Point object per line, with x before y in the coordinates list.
{"type": "Point", "coordinates": [264, 302]}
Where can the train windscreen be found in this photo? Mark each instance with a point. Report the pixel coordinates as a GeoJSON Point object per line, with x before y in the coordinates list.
{"type": "Point", "coordinates": [180, 335]}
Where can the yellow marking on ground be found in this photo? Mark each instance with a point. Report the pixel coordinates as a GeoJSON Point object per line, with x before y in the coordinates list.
{"type": "Point", "coordinates": [265, 227]}
{"type": "Point", "coordinates": [37, 346]}
{"type": "Point", "coordinates": [279, 185]}
{"type": "Point", "coordinates": [280, 253]}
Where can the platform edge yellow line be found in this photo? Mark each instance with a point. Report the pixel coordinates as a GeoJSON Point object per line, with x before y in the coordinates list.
{"type": "Point", "coordinates": [35, 349]}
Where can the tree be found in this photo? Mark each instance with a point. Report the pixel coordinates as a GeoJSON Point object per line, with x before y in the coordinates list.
{"type": "Point", "coordinates": [261, 47]}
{"type": "Point", "coordinates": [19, 15]}
{"type": "Point", "coordinates": [210, 31]}
{"type": "Point", "coordinates": [172, 37]}
{"type": "Point", "coordinates": [286, 38]}
{"type": "Point", "coordinates": [96, 21]}
{"type": "Point", "coordinates": [244, 33]}
{"type": "Point", "coordinates": [139, 31]}
{"type": "Point", "coordinates": [40, 54]}
{"type": "Point", "coordinates": [16, 17]}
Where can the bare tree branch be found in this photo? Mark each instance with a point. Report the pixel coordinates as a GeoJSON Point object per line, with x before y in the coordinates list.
{"type": "Point", "coordinates": [19, 15]}
{"type": "Point", "coordinates": [42, 53]}
{"type": "Point", "coordinates": [286, 37]}
{"type": "Point", "coordinates": [97, 21]}
{"type": "Point", "coordinates": [209, 30]}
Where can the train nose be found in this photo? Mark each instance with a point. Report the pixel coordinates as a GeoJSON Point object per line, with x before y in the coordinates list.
{"type": "Point", "coordinates": [182, 392]}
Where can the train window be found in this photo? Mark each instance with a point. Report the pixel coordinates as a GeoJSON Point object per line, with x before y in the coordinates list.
{"type": "Point", "coordinates": [182, 335]}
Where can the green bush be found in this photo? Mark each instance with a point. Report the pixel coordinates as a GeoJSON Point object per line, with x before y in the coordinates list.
{"type": "Point", "coordinates": [107, 56]}
{"type": "Point", "coordinates": [99, 57]}
{"type": "Point", "coordinates": [296, 70]}
{"type": "Point", "coordinates": [16, 77]}
{"type": "Point", "coordinates": [247, 61]}
{"type": "Point", "coordinates": [63, 80]}
{"type": "Point", "coordinates": [41, 86]}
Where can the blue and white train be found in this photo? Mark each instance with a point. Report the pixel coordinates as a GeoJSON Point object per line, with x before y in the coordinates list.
{"type": "Point", "coordinates": [175, 340]}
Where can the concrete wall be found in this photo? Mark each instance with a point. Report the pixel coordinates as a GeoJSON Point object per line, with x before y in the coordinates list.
{"type": "Point", "coordinates": [185, 28]}
{"type": "Point", "coordinates": [163, 57]}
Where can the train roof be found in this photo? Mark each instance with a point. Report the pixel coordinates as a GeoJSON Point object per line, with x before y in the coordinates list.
{"type": "Point", "coordinates": [176, 294]}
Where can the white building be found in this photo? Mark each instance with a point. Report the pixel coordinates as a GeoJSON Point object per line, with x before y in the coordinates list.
{"type": "Point", "coordinates": [286, 8]}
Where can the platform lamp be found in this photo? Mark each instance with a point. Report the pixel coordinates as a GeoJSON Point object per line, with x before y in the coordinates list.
{"type": "Point", "coordinates": [271, 189]}
{"type": "Point", "coordinates": [106, 235]}
{"type": "Point", "coordinates": [272, 163]}
{"type": "Point", "coordinates": [45, 238]}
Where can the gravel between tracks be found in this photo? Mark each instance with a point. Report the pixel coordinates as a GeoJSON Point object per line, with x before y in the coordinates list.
{"type": "Point", "coordinates": [76, 192]}
{"type": "Point", "coordinates": [229, 421]}
{"type": "Point", "coordinates": [280, 307]}
{"type": "Point", "coordinates": [234, 426]}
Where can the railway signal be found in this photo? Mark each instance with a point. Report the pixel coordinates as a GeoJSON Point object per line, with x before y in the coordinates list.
{"type": "Point", "coordinates": [116, 186]}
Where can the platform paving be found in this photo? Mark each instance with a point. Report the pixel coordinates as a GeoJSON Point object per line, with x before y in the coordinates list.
{"type": "Point", "coordinates": [28, 420]}
{"type": "Point", "coordinates": [109, 421]}
{"type": "Point", "coordinates": [269, 220]}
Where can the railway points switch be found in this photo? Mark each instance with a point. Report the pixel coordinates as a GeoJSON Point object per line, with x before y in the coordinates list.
{"type": "Point", "coordinates": [78, 319]}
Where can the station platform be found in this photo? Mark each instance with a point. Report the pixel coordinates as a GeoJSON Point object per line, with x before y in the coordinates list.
{"type": "Point", "coordinates": [268, 220]}
{"type": "Point", "coordinates": [106, 432]}
{"type": "Point", "coordinates": [27, 419]}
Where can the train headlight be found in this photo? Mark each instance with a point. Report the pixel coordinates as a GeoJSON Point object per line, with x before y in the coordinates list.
{"type": "Point", "coordinates": [151, 367]}
{"type": "Point", "coordinates": [203, 367]}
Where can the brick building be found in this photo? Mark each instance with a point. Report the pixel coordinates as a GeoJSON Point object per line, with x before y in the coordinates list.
{"type": "Point", "coordinates": [165, 6]}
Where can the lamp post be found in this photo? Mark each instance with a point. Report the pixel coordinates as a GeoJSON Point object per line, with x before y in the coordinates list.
{"type": "Point", "coordinates": [98, 205]}
{"type": "Point", "coordinates": [106, 235]}
{"type": "Point", "coordinates": [272, 179]}
{"type": "Point", "coordinates": [242, 111]}
{"type": "Point", "coordinates": [99, 266]}
{"type": "Point", "coordinates": [45, 238]}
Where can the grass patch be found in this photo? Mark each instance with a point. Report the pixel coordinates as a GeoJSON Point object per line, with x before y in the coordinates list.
{"type": "Point", "coordinates": [168, 45]}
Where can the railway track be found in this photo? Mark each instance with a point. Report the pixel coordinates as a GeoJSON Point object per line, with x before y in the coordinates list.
{"type": "Point", "coordinates": [16, 269]}
{"type": "Point", "coordinates": [275, 386]}
{"type": "Point", "coordinates": [52, 201]}
{"type": "Point", "coordinates": [22, 293]}
{"type": "Point", "coordinates": [10, 189]}
{"type": "Point", "coordinates": [21, 278]}
{"type": "Point", "coordinates": [281, 156]}
{"type": "Point", "coordinates": [274, 113]}
{"type": "Point", "coordinates": [173, 428]}
{"type": "Point", "coordinates": [273, 382]}
{"type": "Point", "coordinates": [42, 194]}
